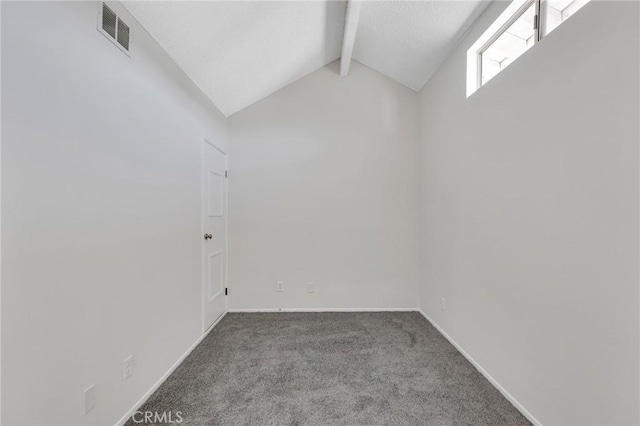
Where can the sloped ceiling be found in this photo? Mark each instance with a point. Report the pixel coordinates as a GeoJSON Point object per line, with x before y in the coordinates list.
{"type": "Point", "coordinates": [408, 40]}
{"type": "Point", "coordinates": [239, 52]}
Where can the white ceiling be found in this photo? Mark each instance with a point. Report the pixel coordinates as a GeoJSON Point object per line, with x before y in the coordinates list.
{"type": "Point", "coordinates": [408, 40]}
{"type": "Point", "coordinates": [239, 52]}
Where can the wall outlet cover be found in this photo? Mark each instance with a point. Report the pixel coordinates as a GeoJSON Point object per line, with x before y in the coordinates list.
{"type": "Point", "coordinates": [127, 367]}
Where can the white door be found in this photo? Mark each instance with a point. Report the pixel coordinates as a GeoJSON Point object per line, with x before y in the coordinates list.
{"type": "Point", "coordinates": [214, 239]}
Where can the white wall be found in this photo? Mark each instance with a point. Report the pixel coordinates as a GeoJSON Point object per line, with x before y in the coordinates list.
{"type": "Point", "coordinates": [0, 216]}
{"type": "Point", "coordinates": [531, 237]}
{"type": "Point", "coordinates": [101, 213]}
{"type": "Point", "coordinates": [530, 213]}
{"type": "Point", "coordinates": [323, 188]}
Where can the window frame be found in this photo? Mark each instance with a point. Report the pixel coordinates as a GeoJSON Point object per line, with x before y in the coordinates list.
{"type": "Point", "coordinates": [513, 17]}
{"type": "Point", "coordinates": [498, 27]}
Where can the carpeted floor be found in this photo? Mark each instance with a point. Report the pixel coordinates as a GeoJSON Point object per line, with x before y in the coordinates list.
{"type": "Point", "coordinates": [387, 368]}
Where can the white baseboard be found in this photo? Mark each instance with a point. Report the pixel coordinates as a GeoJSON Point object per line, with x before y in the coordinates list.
{"type": "Point", "coordinates": [325, 310]}
{"type": "Point", "coordinates": [166, 375]}
{"type": "Point", "coordinates": [482, 371]}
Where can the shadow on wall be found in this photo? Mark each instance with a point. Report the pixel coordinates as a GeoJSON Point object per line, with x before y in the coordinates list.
{"type": "Point", "coordinates": [328, 20]}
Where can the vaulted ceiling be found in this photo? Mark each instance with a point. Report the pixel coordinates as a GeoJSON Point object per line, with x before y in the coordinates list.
{"type": "Point", "coordinates": [239, 52]}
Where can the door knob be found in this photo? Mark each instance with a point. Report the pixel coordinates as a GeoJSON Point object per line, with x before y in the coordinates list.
{"type": "Point", "coordinates": [208, 236]}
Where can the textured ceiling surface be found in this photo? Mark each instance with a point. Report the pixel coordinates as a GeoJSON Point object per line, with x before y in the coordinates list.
{"type": "Point", "coordinates": [408, 40]}
{"type": "Point", "coordinates": [239, 52]}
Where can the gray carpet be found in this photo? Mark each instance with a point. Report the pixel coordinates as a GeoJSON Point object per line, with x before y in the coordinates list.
{"type": "Point", "coordinates": [390, 368]}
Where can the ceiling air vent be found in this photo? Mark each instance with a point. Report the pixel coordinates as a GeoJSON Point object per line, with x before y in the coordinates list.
{"type": "Point", "coordinates": [112, 27]}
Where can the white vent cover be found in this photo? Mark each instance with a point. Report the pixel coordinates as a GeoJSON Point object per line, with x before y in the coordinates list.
{"type": "Point", "coordinates": [112, 27]}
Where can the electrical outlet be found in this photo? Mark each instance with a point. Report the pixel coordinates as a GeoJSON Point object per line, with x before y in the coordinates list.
{"type": "Point", "coordinates": [89, 398]}
{"type": "Point", "coordinates": [280, 286]}
{"type": "Point", "coordinates": [127, 367]}
{"type": "Point", "coordinates": [443, 304]}
{"type": "Point", "coordinates": [310, 288]}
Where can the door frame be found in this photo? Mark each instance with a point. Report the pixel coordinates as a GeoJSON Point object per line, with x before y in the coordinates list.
{"type": "Point", "coordinates": [203, 207]}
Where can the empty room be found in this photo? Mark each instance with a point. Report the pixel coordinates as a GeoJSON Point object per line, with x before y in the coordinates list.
{"type": "Point", "coordinates": [322, 212]}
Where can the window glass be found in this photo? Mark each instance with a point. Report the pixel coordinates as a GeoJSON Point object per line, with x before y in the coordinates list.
{"type": "Point", "coordinates": [520, 26]}
{"type": "Point", "coordinates": [558, 11]}
{"type": "Point", "coordinates": [513, 42]}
